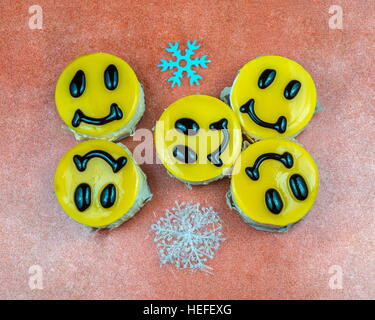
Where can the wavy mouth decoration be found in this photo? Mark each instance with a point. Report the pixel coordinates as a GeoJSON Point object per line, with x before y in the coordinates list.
{"type": "Point", "coordinates": [214, 157]}
{"type": "Point", "coordinates": [114, 114]}
{"type": "Point", "coordinates": [186, 155]}
{"type": "Point", "coordinates": [279, 125]}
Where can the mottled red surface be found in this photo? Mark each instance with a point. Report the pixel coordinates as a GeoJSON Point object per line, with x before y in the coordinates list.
{"type": "Point", "coordinates": [124, 263]}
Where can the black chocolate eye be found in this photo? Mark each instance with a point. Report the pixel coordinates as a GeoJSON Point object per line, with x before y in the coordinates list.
{"type": "Point", "coordinates": [273, 201]}
{"type": "Point", "coordinates": [266, 78]}
{"type": "Point", "coordinates": [187, 126]}
{"type": "Point", "coordinates": [108, 196]}
{"type": "Point", "coordinates": [111, 77]}
{"type": "Point", "coordinates": [298, 186]}
{"type": "Point", "coordinates": [82, 196]}
{"type": "Point", "coordinates": [78, 84]}
{"type": "Point", "coordinates": [184, 154]}
{"type": "Point", "coordinates": [292, 89]}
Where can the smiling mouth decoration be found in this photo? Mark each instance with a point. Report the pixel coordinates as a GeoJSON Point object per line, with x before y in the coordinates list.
{"type": "Point", "coordinates": [115, 114]}
{"type": "Point", "coordinates": [279, 126]}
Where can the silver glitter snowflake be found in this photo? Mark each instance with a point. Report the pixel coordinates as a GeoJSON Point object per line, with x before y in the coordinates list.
{"type": "Point", "coordinates": [188, 235]}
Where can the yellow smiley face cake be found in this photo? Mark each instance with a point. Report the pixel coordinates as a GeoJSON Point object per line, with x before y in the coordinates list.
{"type": "Point", "coordinates": [198, 138]}
{"type": "Point", "coordinates": [273, 97]}
{"type": "Point", "coordinates": [99, 184]}
{"type": "Point", "coordinates": [274, 184]}
{"type": "Point", "coordinates": [98, 96]}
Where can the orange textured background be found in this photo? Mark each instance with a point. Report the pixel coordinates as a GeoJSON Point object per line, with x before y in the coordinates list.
{"type": "Point", "coordinates": [340, 230]}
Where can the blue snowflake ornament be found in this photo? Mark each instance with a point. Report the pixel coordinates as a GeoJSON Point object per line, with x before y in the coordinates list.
{"type": "Point", "coordinates": [188, 236]}
{"type": "Point", "coordinates": [183, 62]}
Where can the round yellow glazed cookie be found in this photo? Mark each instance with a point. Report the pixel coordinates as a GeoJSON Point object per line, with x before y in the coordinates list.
{"type": "Point", "coordinates": [98, 184]}
{"type": "Point", "coordinates": [98, 96]}
{"type": "Point", "coordinates": [274, 184]}
{"type": "Point", "coordinates": [273, 97]}
{"type": "Point", "coordinates": [198, 139]}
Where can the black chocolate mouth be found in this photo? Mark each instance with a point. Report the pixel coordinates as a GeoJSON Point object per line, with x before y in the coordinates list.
{"type": "Point", "coordinates": [279, 125]}
{"type": "Point", "coordinates": [79, 116]}
{"type": "Point", "coordinates": [214, 157]}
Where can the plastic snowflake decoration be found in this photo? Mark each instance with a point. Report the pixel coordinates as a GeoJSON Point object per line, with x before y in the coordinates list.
{"type": "Point", "coordinates": [188, 236]}
{"type": "Point", "coordinates": [183, 63]}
